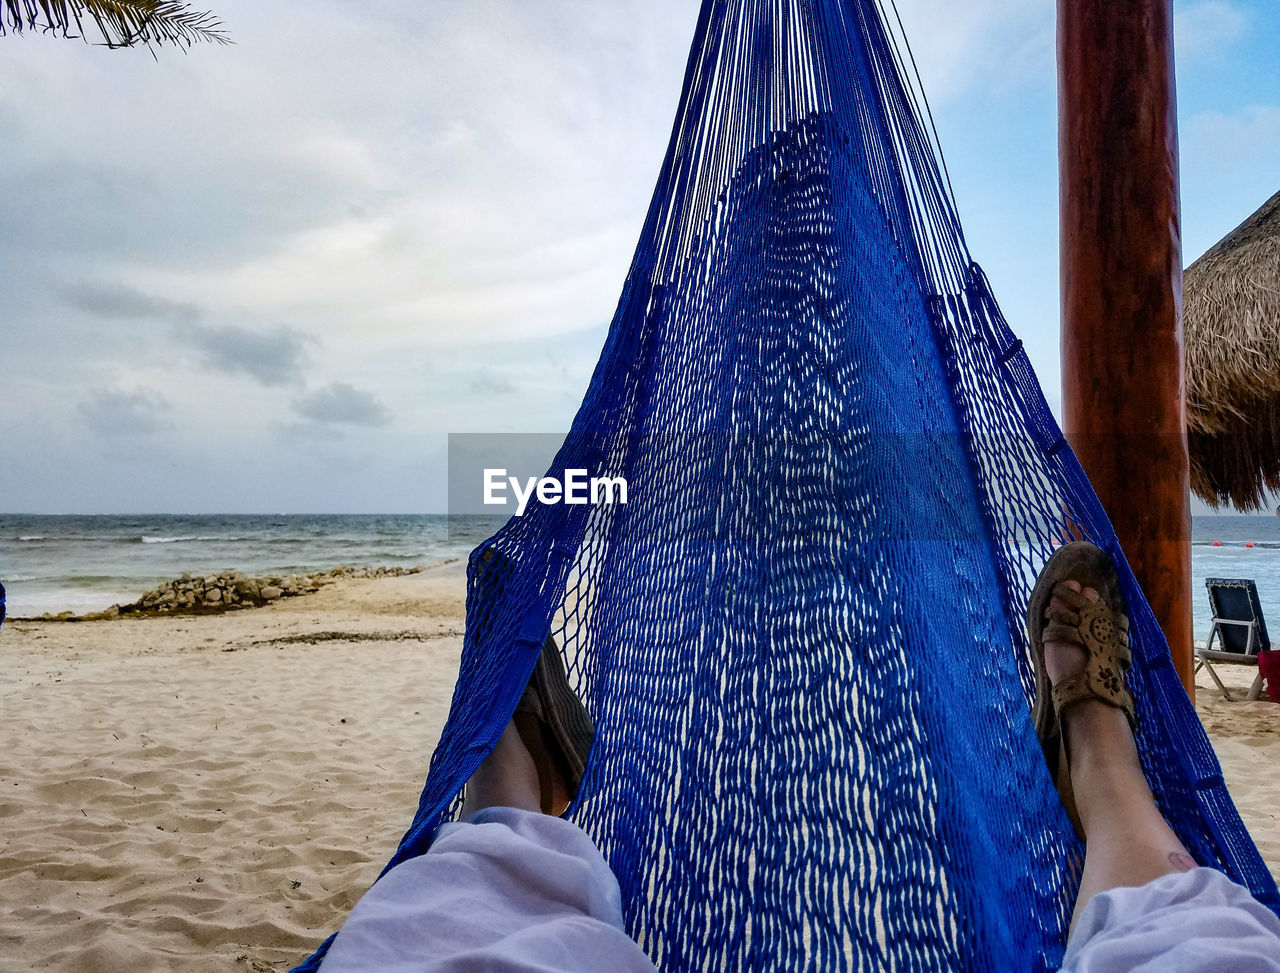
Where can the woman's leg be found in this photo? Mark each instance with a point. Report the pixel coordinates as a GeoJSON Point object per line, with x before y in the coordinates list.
{"type": "Point", "coordinates": [506, 888]}
{"type": "Point", "coordinates": [1127, 841]}
{"type": "Point", "coordinates": [507, 778]}
{"type": "Point", "coordinates": [1135, 910]}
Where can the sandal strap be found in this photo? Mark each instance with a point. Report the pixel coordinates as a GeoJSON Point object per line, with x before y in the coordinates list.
{"type": "Point", "coordinates": [1104, 635]}
{"type": "Point", "coordinates": [1076, 602]}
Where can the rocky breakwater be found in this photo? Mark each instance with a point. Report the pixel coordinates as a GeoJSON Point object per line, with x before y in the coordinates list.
{"type": "Point", "coordinates": [232, 590]}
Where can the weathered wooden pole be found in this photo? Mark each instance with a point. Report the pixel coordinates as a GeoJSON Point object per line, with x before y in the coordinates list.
{"type": "Point", "coordinates": [1121, 260]}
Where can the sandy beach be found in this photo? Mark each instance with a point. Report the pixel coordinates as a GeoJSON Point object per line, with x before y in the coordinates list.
{"type": "Point", "coordinates": [196, 793]}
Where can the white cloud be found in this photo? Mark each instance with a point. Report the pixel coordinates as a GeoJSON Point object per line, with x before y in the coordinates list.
{"type": "Point", "coordinates": [1235, 139]}
{"type": "Point", "coordinates": [979, 44]}
{"type": "Point", "coordinates": [1230, 166]}
{"type": "Point", "coordinates": [349, 194]}
{"type": "Point", "coordinates": [1207, 28]}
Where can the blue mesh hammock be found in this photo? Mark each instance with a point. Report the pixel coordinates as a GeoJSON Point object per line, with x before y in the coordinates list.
{"type": "Point", "coordinates": [802, 639]}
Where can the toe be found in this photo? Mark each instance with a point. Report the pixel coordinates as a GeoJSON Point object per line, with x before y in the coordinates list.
{"type": "Point", "coordinates": [1064, 659]}
{"type": "Point", "coordinates": [1074, 586]}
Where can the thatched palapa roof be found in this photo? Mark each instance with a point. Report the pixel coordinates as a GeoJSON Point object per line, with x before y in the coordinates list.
{"type": "Point", "coordinates": [1231, 315]}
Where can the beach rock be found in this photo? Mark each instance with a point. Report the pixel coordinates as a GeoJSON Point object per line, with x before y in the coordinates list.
{"type": "Point", "coordinates": [232, 590]}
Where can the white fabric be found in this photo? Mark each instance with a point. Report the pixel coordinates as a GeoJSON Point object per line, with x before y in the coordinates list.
{"type": "Point", "coordinates": [512, 890]}
{"type": "Point", "coordinates": [1189, 922]}
{"type": "Point", "coordinates": [504, 891]}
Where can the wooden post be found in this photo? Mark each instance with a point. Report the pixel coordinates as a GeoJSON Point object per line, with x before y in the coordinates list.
{"type": "Point", "coordinates": [1121, 261]}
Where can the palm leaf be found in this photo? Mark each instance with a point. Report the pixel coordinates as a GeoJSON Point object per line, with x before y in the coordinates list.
{"type": "Point", "coordinates": [120, 23]}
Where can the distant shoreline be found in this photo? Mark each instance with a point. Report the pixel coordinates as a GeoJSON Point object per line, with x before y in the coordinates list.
{"type": "Point", "coordinates": [236, 591]}
{"type": "Point", "coordinates": [83, 564]}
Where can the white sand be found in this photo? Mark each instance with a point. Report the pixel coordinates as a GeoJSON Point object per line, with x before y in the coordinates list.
{"type": "Point", "coordinates": [203, 793]}
{"type": "Point", "coordinates": [189, 793]}
{"type": "Point", "coordinates": [1246, 737]}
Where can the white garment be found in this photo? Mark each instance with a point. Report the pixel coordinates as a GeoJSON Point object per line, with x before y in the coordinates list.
{"type": "Point", "coordinates": [504, 891]}
{"type": "Point", "coordinates": [511, 890]}
{"type": "Point", "coordinates": [1189, 922]}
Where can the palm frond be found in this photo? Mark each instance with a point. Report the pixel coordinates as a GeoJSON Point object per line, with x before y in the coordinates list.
{"type": "Point", "coordinates": [120, 23]}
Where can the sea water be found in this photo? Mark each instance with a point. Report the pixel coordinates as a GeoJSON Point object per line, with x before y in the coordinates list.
{"type": "Point", "coordinates": [87, 563]}
{"type": "Point", "coordinates": [1234, 559]}
{"type": "Point", "coordinates": [81, 564]}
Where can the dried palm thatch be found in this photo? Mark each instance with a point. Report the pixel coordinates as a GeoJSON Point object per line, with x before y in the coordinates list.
{"type": "Point", "coordinates": [1231, 313]}
{"type": "Point", "coordinates": [119, 23]}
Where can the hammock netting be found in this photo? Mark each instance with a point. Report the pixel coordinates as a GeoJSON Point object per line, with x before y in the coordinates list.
{"type": "Point", "coordinates": [802, 637]}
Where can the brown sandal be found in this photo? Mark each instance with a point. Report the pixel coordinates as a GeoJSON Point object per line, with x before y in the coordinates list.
{"type": "Point", "coordinates": [555, 728]}
{"type": "Point", "coordinates": [1101, 628]}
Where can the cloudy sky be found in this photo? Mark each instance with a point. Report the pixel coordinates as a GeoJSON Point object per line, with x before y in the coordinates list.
{"type": "Point", "coordinates": [273, 277]}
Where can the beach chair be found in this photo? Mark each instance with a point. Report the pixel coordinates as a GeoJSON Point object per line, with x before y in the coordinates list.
{"type": "Point", "coordinates": [1238, 628]}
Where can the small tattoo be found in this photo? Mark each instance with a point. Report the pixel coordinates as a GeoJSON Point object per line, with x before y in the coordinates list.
{"type": "Point", "coordinates": [1182, 862]}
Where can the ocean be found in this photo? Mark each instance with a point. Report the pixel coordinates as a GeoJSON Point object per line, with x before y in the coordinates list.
{"type": "Point", "coordinates": [86, 563]}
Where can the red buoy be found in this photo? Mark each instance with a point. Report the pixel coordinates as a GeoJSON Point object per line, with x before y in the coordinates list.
{"type": "Point", "coordinates": [1248, 543]}
{"type": "Point", "coordinates": [1217, 543]}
